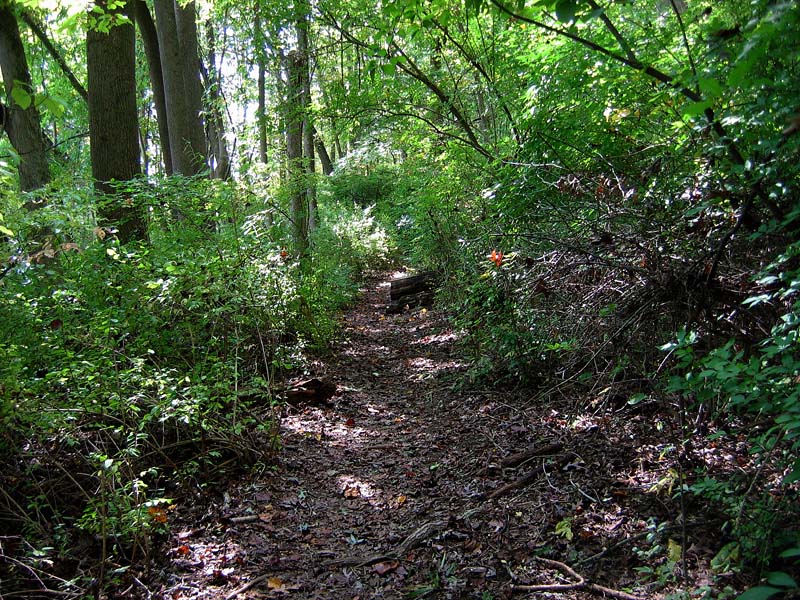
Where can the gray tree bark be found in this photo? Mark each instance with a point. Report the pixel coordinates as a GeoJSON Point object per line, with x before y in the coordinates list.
{"type": "Point", "coordinates": [180, 89]}
{"type": "Point", "coordinates": [147, 29]}
{"type": "Point", "coordinates": [113, 124]}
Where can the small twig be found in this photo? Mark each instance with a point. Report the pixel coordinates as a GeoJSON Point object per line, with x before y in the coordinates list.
{"type": "Point", "coordinates": [244, 519]}
{"type": "Point", "coordinates": [622, 542]}
{"type": "Point", "coordinates": [521, 457]}
{"type": "Point", "coordinates": [250, 584]}
{"type": "Point", "coordinates": [523, 481]}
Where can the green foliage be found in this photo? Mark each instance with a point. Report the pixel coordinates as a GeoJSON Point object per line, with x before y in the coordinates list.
{"type": "Point", "coordinates": [160, 357]}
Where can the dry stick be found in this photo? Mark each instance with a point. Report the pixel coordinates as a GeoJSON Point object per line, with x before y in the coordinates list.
{"type": "Point", "coordinates": [579, 583]}
{"type": "Point", "coordinates": [246, 586]}
{"type": "Point", "coordinates": [522, 481]}
{"type": "Point", "coordinates": [414, 539]}
{"type": "Point", "coordinates": [521, 457]}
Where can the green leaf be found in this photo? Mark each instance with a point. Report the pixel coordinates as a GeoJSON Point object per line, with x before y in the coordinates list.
{"type": "Point", "coordinates": [21, 96]}
{"type": "Point", "coordinates": [761, 592]}
{"type": "Point", "coordinates": [781, 579]}
{"type": "Point", "coordinates": [790, 553]}
{"type": "Point", "coordinates": [388, 69]}
{"type": "Point", "coordinates": [710, 87]}
{"type": "Point", "coordinates": [694, 109]}
{"type": "Point", "coordinates": [6, 231]}
{"type": "Point", "coordinates": [54, 106]}
{"type": "Point", "coordinates": [565, 10]}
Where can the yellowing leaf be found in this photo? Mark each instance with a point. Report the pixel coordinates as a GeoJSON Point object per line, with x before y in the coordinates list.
{"type": "Point", "coordinates": [674, 551]}
{"type": "Point", "coordinates": [275, 583]}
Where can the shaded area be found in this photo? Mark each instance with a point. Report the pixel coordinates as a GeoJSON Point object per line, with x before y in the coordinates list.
{"type": "Point", "coordinates": [414, 485]}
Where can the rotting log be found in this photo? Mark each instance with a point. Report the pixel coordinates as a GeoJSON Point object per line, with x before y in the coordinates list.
{"type": "Point", "coordinates": [311, 392]}
{"type": "Point", "coordinates": [413, 284]}
{"type": "Point", "coordinates": [411, 291]}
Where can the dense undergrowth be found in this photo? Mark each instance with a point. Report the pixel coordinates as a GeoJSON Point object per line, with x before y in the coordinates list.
{"type": "Point", "coordinates": [133, 376]}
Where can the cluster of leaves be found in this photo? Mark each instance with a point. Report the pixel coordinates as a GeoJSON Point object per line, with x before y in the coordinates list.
{"type": "Point", "coordinates": [128, 370]}
{"type": "Point", "coordinates": [641, 200]}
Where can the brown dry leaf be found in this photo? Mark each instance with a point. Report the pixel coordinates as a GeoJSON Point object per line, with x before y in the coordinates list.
{"type": "Point", "coordinates": [267, 513]}
{"type": "Point", "coordinates": [384, 568]}
{"type": "Point", "coordinates": [275, 583]}
{"type": "Point", "coordinates": [352, 492]}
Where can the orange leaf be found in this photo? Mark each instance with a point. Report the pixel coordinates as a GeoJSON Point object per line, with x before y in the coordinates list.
{"type": "Point", "coordinates": [496, 257]}
{"type": "Point", "coordinates": [157, 514]}
{"type": "Point", "coordinates": [182, 550]}
{"type": "Point", "coordinates": [383, 568]}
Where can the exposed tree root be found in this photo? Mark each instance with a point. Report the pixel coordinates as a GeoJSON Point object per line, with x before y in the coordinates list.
{"type": "Point", "coordinates": [578, 583]}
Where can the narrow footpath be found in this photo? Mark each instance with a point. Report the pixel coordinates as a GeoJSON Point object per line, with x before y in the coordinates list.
{"type": "Point", "coordinates": [410, 484]}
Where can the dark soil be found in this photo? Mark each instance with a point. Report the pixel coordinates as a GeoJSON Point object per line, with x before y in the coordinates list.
{"type": "Point", "coordinates": [414, 483]}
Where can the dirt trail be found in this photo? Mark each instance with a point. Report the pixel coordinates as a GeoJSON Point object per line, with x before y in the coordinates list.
{"type": "Point", "coordinates": [388, 492]}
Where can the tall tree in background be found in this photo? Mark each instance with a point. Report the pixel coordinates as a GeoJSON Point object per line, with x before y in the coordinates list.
{"type": "Point", "coordinates": [302, 10]}
{"type": "Point", "coordinates": [20, 118]}
{"type": "Point", "coordinates": [113, 125]}
{"type": "Point", "coordinates": [261, 60]}
{"type": "Point", "coordinates": [294, 151]}
{"type": "Point", "coordinates": [215, 109]}
{"type": "Point", "coordinates": [180, 66]}
{"type": "Point", "coordinates": [147, 30]}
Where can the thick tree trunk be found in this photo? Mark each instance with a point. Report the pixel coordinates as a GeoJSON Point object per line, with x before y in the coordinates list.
{"type": "Point", "coordinates": [188, 156]}
{"type": "Point", "coordinates": [22, 125]}
{"type": "Point", "coordinates": [113, 127]}
{"type": "Point", "coordinates": [186, 22]}
{"type": "Point", "coordinates": [147, 29]}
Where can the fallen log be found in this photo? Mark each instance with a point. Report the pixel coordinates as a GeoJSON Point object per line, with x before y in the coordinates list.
{"type": "Point", "coordinates": [311, 392]}
{"type": "Point", "coordinates": [413, 284]}
{"type": "Point", "coordinates": [410, 301]}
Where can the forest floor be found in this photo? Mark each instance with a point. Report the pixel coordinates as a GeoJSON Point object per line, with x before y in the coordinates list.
{"type": "Point", "coordinates": [415, 483]}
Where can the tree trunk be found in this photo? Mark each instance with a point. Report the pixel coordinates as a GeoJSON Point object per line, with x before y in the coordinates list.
{"type": "Point", "coordinates": [147, 29]}
{"type": "Point", "coordinates": [261, 112]}
{"type": "Point", "coordinates": [302, 9]}
{"type": "Point", "coordinates": [113, 127]}
{"type": "Point", "coordinates": [218, 147]}
{"type": "Point", "coordinates": [182, 111]}
{"type": "Point", "coordinates": [294, 153]}
{"type": "Point", "coordinates": [325, 162]}
{"type": "Point", "coordinates": [22, 125]}
{"type": "Point", "coordinates": [185, 19]}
